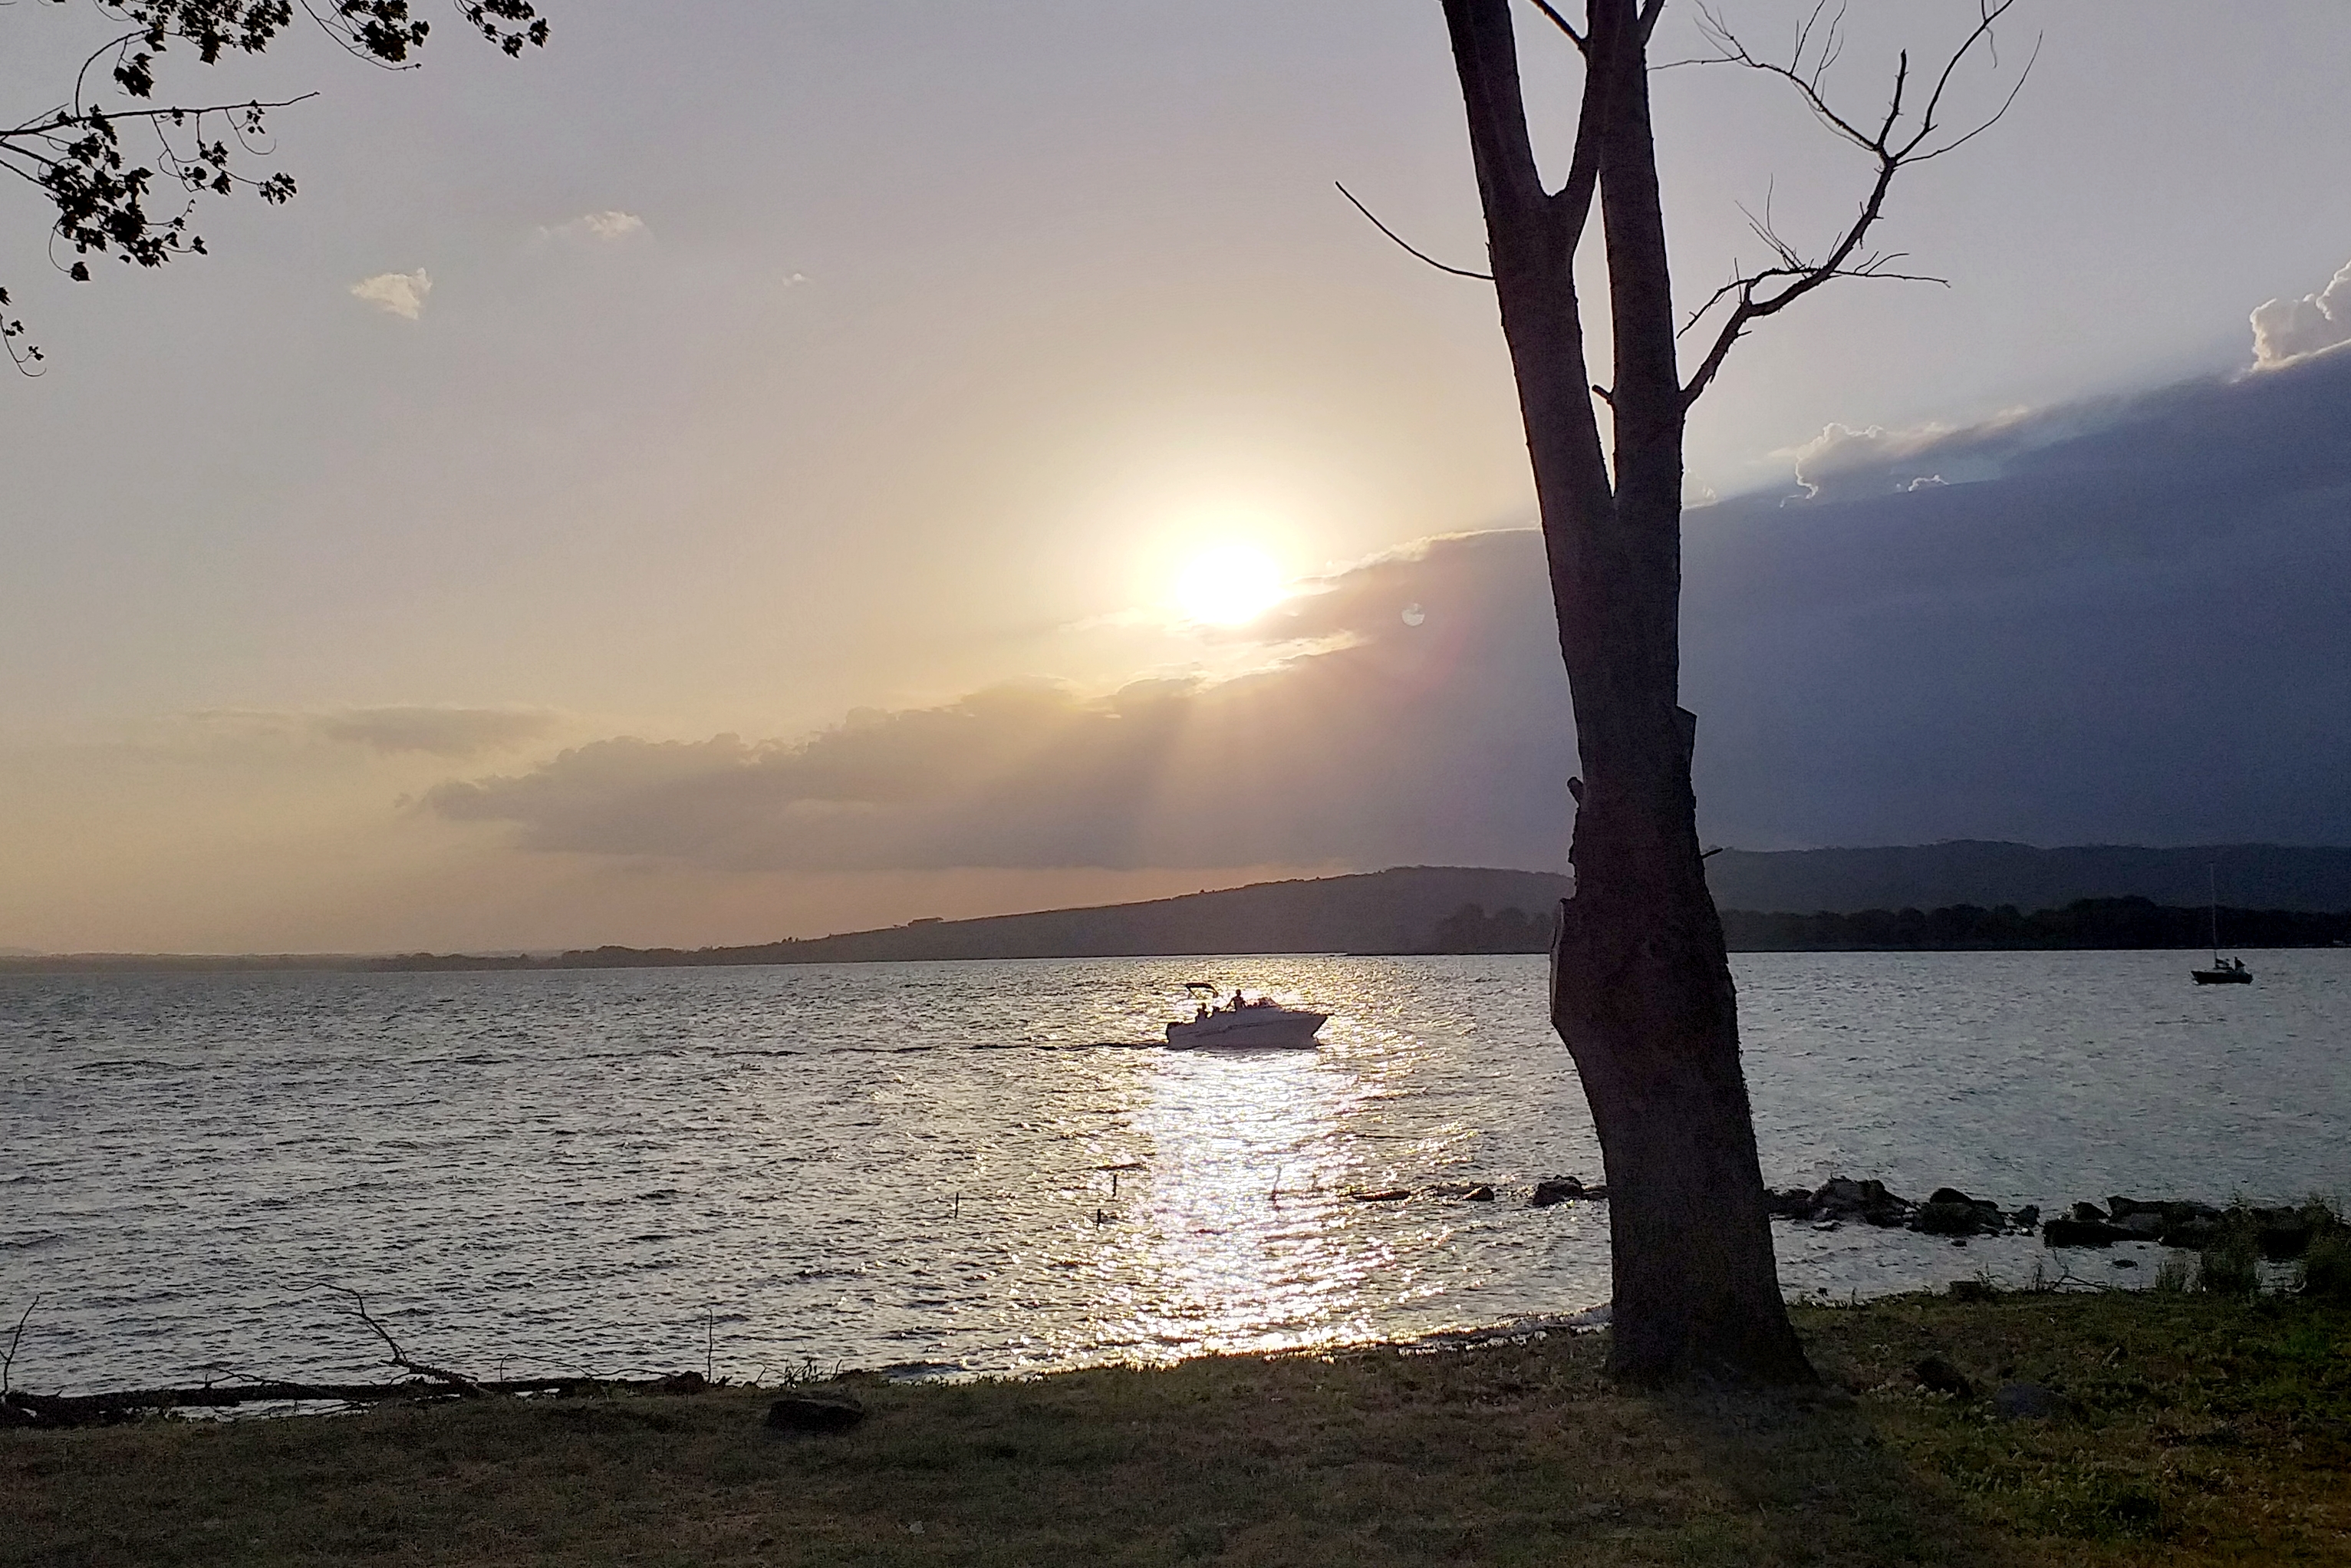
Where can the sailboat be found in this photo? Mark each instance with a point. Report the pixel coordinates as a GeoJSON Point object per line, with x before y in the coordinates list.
{"type": "Point", "coordinates": [2232, 972]}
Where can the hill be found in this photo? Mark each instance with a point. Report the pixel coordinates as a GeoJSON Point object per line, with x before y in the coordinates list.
{"type": "Point", "coordinates": [1964, 871]}
{"type": "Point", "coordinates": [1399, 910]}
{"type": "Point", "coordinates": [1391, 910]}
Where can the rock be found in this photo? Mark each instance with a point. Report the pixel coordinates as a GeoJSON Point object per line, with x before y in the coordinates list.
{"type": "Point", "coordinates": [1939, 1219]}
{"type": "Point", "coordinates": [2089, 1214]}
{"type": "Point", "coordinates": [1972, 1290]}
{"type": "Point", "coordinates": [2121, 1208]}
{"type": "Point", "coordinates": [1841, 1197]}
{"type": "Point", "coordinates": [683, 1383]}
{"type": "Point", "coordinates": [1795, 1203]}
{"type": "Point", "coordinates": [1939, 1377]}
{"type": "Point", "coordinates": [1947, 1211]}
{"type": "Point", "coordinates": [2083, 1232]}
{"type": "Point", "coordinates": [1384, 1194]}
{"type": "Point", "coordinates": [814, 1412]}
{"type": "Point", "coordinates": [2195, 1225]}
{"type": "Point", "coordinates": [2026, 1218]}
{"type": "Point", "coordinates": [2194, 1235]}
{"type": "Point", "coordinates": [1482, 1193]}
{"type": "Point", "coordinates": [1846, 1193]}
{"type": "Point", "coordinates": [1559, 1190]}
{"type": "Point", "coordinates": [2026, 1402]}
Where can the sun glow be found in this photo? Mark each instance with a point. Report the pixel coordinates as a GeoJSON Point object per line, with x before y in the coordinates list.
{"type": "Point", "coordinates": [1229, 586]}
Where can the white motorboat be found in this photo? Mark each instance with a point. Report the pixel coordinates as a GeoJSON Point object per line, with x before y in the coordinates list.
{"type": "Point", "coordinates": [1259, 1023]}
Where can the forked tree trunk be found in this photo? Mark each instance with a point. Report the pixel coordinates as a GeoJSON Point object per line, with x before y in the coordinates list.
{"type": "Point", "coordinates": [1641, 989]}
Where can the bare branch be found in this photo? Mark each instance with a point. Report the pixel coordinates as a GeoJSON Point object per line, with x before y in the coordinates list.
{"type": "Point", "coordinates": [1745, 282]}
{"type": "Point", "coordinates": [1406, 246]}
{"type": "Point", "coordinates": [1982, 34]}
{"type": "Point", "coordinates": [400, 1358]}
{"type": "Point", "coordinates": [8, 1362]}
{"type": "Point", "coordinates": [1731, 51]}
{"type": "Point", "coordinates": [1901, 138]}
{"type": "Point", "coordinates": [1997, 115]}
{"type": "Point", "coordinates": [1562, 23]}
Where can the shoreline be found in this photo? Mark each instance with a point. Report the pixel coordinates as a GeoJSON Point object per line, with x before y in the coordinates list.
{"type": "Point", "coordinates": [601, 960]}
{"type": "Point", "coordinates": [2247, 1247]}
{"type": "Point", "coordinates": [1393, 926]}
{"type": "Point", "coordinates": [2024, 1429]}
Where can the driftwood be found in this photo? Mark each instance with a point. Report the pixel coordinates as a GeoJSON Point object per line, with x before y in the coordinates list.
{"type": "Point", "coordinates": [8, 1360]}
{"type": "Point", "coordinates": [22, 1409]}
{"type": "Point", "coordinates": [457, 1380]}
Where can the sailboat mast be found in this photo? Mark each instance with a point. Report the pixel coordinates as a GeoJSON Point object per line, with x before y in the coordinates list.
{"type": "Point", "coordinates": [2213, 904]}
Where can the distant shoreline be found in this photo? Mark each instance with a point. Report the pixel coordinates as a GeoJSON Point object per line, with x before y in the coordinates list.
{"type": "Point", "coordinates": [2129, 924]}
{"type": "Point", "coordinates": [1960, 895]}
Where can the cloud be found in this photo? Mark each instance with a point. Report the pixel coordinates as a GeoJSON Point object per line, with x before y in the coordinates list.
{"type": "Point", "coordinates": [2129, 630]}
{"type": "Point", "coordinates": [1842, 462]}
{"type": "Point", "coordinates": [401, 293]}
{"type": "Point", "coordinates": [454, 733]}
{"type": "Point", "coordinates": [1320, 759]}
{"type": "Point", "coordinates": [608, 226]}
{"type": "Point", "coordinates": [2285, 330]}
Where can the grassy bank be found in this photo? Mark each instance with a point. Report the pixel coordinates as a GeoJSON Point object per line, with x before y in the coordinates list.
{"type": "Point", "coordinates": [2190, 1429]}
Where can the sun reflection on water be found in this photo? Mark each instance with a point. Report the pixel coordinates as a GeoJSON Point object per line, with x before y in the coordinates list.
{"type": "Point", "coordinates": [1241, 1232]}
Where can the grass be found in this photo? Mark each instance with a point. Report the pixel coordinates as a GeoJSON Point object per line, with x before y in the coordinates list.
{"type": "Point", "coordinates": [2195, 1429]}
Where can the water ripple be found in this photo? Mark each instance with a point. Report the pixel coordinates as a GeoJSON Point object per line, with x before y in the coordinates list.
{"type": "Point", "coordinates": [995, 1167]}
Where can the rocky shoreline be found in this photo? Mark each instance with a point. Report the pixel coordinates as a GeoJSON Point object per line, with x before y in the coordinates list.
{"type": "Point", "coordinates": [1945, 1212]}
{"type": "Point", "coordinates": [2277, 1234]}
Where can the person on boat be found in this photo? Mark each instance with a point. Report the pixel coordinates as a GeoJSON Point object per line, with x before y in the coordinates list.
{"type": "Point", "coordinates": [1238, 1004]}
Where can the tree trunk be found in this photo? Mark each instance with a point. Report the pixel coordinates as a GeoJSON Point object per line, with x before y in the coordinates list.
{"type": "Point", "coordinates": [1641, 988]}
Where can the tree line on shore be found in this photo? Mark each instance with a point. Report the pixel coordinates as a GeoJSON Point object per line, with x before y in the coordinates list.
{"type": "Point", "coordinates": [2087, 922]}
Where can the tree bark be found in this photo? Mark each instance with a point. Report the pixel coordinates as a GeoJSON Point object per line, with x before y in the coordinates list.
{"type": "Point", "coordinates": [1641, 989]}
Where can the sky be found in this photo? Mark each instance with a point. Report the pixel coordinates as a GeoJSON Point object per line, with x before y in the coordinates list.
{"type": "Point", "coordinates": [762, 469]}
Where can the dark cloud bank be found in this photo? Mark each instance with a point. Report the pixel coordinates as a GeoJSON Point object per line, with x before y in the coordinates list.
{"type": "Point", "coordinates": [2122, 621]}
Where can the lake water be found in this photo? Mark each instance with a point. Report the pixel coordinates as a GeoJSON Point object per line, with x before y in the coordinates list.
{"type": "Point", "coordinates": [905, 1165]}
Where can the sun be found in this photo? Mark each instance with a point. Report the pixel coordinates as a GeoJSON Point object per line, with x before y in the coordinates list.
{"type": "Point", "coordinates": [1229, 586]}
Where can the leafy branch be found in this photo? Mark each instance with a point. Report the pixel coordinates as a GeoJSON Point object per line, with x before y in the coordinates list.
{"type": "Point", "coordinates": [73, 152]}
